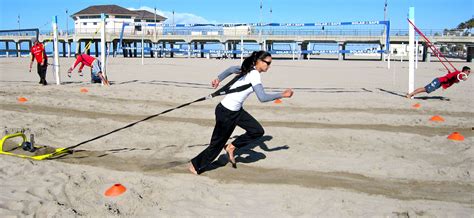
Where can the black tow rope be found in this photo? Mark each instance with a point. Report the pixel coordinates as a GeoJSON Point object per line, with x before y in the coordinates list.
{"type": "Point", "coordinates": [222, 91]}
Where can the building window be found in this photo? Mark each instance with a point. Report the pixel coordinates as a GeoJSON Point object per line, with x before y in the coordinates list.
{"type": "Point", "coordinates": [85, 24]}
{"type": "Point", "coordinates": [89, 17]}
{"type": "Point", "coordinates": [95, 23]}
{"type": "Point", "coordinates": [123, 17]}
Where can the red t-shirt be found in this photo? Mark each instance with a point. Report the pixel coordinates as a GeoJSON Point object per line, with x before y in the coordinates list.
{"type": "Point", "coordinates": [449, 79]}
{"type": "Point", "coordinates": [37, 51]}
{"type": "Point", "coordinates": [84, 59]}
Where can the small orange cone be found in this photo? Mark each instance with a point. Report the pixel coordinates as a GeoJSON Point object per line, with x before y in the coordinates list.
{"type": "Point", "coordinates": [437, 118]}
{"type": "Point", "coordinates": [417, 105]}
{"type": "Point", "coordinates": [278, 101]}
{"type": "Point", "coordinates": [22, 99]}
{"type": "Point", "coordinates": [456, 136]}
{"type": "Point", "coordinates": [115, 190]}
{"type": "Point", "coordinates": [84, 90]}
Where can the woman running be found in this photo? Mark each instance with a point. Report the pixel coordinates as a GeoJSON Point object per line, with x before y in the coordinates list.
{"type": "Point", "coordinates": [229, 112]}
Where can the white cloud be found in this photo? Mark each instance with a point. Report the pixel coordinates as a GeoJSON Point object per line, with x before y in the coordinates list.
{"type": "Point", "coordinates": [182, 18]}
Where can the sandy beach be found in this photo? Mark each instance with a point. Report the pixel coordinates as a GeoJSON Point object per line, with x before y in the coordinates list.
{"type": "Point", "coordinates": [346, 145]}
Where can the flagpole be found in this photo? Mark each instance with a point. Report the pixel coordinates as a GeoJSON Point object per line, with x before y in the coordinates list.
{"type": "Point", "coordinates": [260, 23]}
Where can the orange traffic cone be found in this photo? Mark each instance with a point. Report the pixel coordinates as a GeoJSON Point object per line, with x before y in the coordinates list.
{"type": "Point", "coordinates": [84, 90]}
{"type": "Point", "coordinates": [278, 101]}
{"type": "Point", "coordinates": [22, 99]}
{"type": "Point", "coordinates": [456, 136]}
{"type": "Point", "coordinates": [437, 118]}
{"type": "Point", "coordinates": [417, 105]}
{"type": "Point", "coordinates": [115, 190]}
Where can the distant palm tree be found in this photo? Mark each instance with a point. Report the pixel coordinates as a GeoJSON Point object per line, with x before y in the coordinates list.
{"type": "Point", "coordinates": [466, 25]}
{"type": "Point", "coordinates": [462, 26]}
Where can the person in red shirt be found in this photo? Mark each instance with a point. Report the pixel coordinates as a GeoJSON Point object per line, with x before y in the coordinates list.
{"type": "Point", "coordinates": [93, 63]}
{"type": "Point", "coordinates": [38, 53]}
{"type": "Point", "coordinates": [445, 81]}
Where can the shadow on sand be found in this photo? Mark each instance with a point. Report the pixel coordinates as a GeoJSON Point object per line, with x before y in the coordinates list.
{"type": "Point", "coordinates": [441, 98]}
{"type": "Point", "coordinates": [247, 154]}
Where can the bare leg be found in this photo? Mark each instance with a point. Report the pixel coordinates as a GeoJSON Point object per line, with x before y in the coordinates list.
{"type": "Point", "coordinates": [230, 148]}
{"type": "Point", "coordinates": [417, 91]}
{"type": "Point", "coordinates": [104, 80]}
{"type": "Point", "coordinates": [191, 168]}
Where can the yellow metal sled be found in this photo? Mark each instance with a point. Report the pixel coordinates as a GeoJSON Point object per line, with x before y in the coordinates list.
{"type": "Point", "coordinates": [51, 154]}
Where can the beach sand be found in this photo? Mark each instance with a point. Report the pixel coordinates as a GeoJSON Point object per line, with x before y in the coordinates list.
{"type": "Point", "coordinates": [346, 144]}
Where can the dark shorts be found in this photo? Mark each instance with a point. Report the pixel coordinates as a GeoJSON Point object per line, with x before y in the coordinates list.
{"type": "Point", "coordinates": [95, 79]}
{"type": "Point", "coordinates": [435, 84]}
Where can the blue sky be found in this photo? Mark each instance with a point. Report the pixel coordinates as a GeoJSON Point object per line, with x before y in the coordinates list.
{"type": "Point", "coordinates": [430, 14]}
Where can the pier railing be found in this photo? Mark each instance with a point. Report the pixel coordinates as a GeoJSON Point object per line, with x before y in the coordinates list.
{"type": "Point", "coordinates": [252, 32]}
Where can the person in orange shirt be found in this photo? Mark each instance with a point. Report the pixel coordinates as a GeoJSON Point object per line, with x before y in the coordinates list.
{"type": "Point", "coordinates": [38, 53]}
{"type": "Point", "coordinates": [93, 63]}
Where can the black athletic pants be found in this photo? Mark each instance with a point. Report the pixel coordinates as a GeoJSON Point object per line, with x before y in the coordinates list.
{"type": "Point", "coordinates": [42, 72]}
{"type": "Point", "coordinates": [226, 121]}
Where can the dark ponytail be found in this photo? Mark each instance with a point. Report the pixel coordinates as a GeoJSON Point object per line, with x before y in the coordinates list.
{"type": "Point", "coordinates": [250, 61]}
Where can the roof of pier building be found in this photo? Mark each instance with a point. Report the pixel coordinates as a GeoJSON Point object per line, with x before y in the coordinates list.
{"type": "Point", "coordinates": [117, 10]}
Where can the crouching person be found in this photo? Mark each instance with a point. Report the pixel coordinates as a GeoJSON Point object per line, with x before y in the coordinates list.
{"type": "Point", "coordinates": [95, 65]}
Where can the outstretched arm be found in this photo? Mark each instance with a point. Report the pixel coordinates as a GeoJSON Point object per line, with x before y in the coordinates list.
{"type": "Point", "coordinates": [74, 65]}
{"type": "Point", "coordinates": [224, 74]}
{"type": "Point", "coordinates": [81, 67]}
{"type": "Point", "coordinates": [265, 97]}
{"type": "Point", "coordinates": [229, 71]}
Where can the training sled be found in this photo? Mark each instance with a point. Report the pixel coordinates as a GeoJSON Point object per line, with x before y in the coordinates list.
{"type": "Point", "coordinates": [29, 146]}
